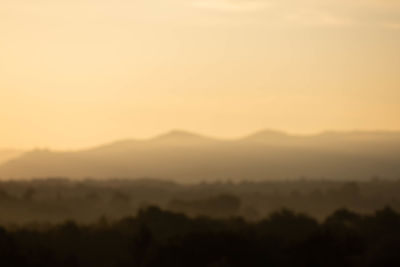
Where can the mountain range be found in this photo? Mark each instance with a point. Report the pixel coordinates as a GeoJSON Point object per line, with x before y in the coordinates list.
{"type": "Point", "coordinates": [8, 154]}
{"type": "Point", "coordinates": [189, 157]}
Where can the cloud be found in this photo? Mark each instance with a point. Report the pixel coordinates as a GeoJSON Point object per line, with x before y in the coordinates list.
{"type": "Point", "coordinates": [312, 17]}
{"type": "Point", "coordinates": [312, 13]}
{"type": "Point", "coordinates": [285, 13]}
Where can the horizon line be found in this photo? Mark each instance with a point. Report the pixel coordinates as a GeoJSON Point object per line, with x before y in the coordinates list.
{"type": "Point", "coordinates": [206, 136]}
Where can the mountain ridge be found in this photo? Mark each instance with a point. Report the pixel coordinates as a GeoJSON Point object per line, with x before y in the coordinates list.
{"type": "Point", "coordinates": [183, 155]}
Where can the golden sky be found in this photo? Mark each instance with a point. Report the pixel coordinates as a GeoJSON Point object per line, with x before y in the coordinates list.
{"type": "Point", "coordinates": [76, 73]}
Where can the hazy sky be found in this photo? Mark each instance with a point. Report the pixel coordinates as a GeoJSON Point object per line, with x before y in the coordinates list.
{"type": "Point", "coordinates": [76, 73]}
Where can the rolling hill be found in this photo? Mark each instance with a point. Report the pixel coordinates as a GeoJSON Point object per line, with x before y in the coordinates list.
{"type": "Point", "coordinates": [188, 157]}
{"type": "Point", "coordinates": [8, 154]}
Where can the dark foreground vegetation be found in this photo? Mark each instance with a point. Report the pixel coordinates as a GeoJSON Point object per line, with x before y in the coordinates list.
{"type": "Point", "coordinates": [161, 238]}
{"type": "Point", "coordinates": [85, 201]}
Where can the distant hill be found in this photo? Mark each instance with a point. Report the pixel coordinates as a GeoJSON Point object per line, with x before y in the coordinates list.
{"type": "Point", "coordinates": [184, 156]}
{"type": "Point", "coordinates": [8, 154]}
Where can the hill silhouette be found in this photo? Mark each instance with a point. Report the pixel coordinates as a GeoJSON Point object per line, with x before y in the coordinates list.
{"type": "Point", "coordinates": [8, 154]}
{"type": "Point", "coordinates": [155, 237]}
{"type": "Point", "coordinates": [184, 156]}
{"type": "Point", "coordinates": [181, 136]}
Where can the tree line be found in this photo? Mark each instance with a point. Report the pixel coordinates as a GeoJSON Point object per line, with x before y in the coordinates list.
{"type": "Point", "coordinates": [155, 237]}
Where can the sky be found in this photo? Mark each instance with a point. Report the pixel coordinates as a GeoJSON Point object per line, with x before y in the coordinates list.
{"type": "Point", "coordinates": [77, 73]}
